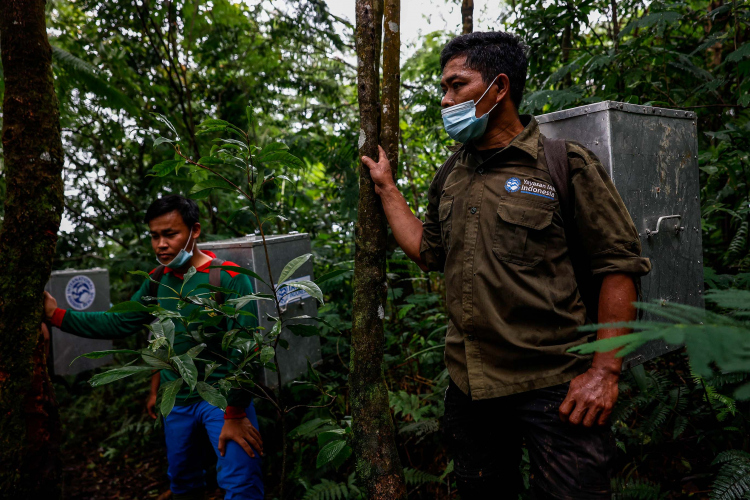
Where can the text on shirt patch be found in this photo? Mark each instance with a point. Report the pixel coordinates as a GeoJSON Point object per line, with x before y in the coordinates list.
{"type": "Point", "coordinates": [533, 187]}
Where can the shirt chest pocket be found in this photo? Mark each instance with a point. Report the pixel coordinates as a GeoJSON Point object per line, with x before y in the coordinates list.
{"type": "Point", "coordinates": [521, 231]}
{"type": "Point", "coordinates": [444, 215]}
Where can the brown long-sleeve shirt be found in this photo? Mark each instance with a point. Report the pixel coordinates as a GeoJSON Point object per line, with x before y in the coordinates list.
{"type": "Point", "coordinates": [497, 232]}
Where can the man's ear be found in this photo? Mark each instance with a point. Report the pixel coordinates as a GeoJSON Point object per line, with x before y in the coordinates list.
{"type": "Point", "coordinates": [503, 87]}
{"type": "Point", "coordinates": [196, 230]}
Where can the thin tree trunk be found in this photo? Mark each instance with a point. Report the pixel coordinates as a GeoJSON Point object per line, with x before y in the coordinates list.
{"type": "Point", "coordinates": [467, 16]}
{"type": "Point", "coordinates": [377, 462]}
{"type": "Point", "coordinates": [567, 44]}
{"type": "Point", "coordinates": [29, 424]}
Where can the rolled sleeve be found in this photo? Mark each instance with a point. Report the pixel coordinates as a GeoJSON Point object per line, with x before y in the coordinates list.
{"type": "Point", "coordinates": [431, 250]}
{"type": "Point", "coordinates": [607, 232]}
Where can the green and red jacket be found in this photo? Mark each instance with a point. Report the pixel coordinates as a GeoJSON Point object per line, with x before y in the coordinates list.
{"type": "Point", "coordinates": [102, 325]}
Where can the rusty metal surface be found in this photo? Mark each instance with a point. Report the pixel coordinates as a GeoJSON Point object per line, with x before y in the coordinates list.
{"type": "Point", "coordinates": [65, 347]}
{"type": "Point", "coordinates": [248, 252]}
{"type": "Point", "coordinates": [652, 156]}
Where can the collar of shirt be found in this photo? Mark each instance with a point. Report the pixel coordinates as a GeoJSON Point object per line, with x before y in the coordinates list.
{"type": "Point", "coordinates": [526, 141]}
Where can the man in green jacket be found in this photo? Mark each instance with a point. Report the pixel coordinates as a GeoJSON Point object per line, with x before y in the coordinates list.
{"type": "Point", "coordinates": [175, 229]}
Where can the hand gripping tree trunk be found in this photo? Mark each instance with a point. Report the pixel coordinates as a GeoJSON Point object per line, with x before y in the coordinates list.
{"type": "Point", "coordinates": [33, 156]}
{"type": "Point", "coordinates": [377, 461]}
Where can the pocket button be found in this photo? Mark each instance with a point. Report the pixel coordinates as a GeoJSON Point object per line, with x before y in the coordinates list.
{"type": "Point", "coordinates": [473, 210]}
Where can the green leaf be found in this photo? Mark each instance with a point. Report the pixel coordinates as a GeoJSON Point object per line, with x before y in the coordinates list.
{"type": "Point", "coordinates": [211, 160]}
{"type": "Point", "coordinates": [228, 338]}
{"type": "Point", "coordinates": [309, 427]}
{"type": "Point", "coordinates": [329, 452]}
{"type": "Point", "coordinates": [214, 183]}
{"type": "Point", "coordinates": [101, 354]}
{"type": "Point", "coordinates": [169, 393]}
{"type": "Point", "coordinates": [165, 168]}
{"type": "Point", "coordinates": [161, 140]}
{"type": "Point", "coordinates": [292, 266]}
{"type": "Point", "coordinates": [740, 53]}
{"type": "Point", "coordinates": [206, 286]}
{"type": "Point", "coordinates": [156, 359]}
{"type": "Point", "coordinates": [210, 369]}
{"type": "Point", "coordinates": [200, 195]}
{"type": "Point", "coordinates": [189, 274]}
{"type": "Point", "coordinates": [331, 275]}
{"type": "Point", "coordinates": [187, 369]}
{"type": "Point", "coordinates": [194, 351]}
{"type": "Point", "coordinates": [211, 395]}
{"type": "Point", "coordinates": [240, 270]}
{"type": "Point", "coordinates": [266, 354]}
{"type": "Point", "coordinates": [129, 307]}
{"type": "Point", "coordinates": [116, 374]}
{"type": "Point", "coordinates": [304, 330]}
{"type": "Point", "coordinates": [309, 287]}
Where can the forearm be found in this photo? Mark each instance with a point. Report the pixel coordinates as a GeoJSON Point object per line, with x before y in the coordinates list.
{"type": "Point", "coordinates": [406, 227]}
{"type": "Point", "coordinates": [155, 379]}
{"type": "Point", "coordinates": [615, 305]}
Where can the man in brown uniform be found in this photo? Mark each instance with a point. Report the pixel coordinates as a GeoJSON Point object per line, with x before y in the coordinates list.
{"type": "Point", "coordinates": [494, 226]}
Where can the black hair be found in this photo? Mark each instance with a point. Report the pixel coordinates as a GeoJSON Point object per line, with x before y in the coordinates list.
{"type": "Point", "coordinates": [187, 208]}
{"type": "Point", "coordinates": [492, 53]}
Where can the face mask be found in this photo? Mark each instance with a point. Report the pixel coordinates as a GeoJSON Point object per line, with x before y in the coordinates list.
{"type": "Point", "coordinates": [461, 120]}
{"type": "Point", "coordinates": [183, 257]}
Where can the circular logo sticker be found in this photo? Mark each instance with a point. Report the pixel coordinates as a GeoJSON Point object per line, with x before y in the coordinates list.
{"type": "Point", "coordinates": [513, 184]}
{"type": "Point", "coordinates": [80, 292]}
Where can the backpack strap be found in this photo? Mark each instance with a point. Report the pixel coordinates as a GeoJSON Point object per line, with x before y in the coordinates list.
{"type": "Point", "coordinates": [153, 288]}
{"type": "Point", "coordinates": [556, 155]}
{"type": "Point", "coordinates": [214, 279]}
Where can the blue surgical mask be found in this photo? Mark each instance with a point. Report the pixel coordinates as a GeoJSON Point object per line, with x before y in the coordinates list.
{"type": "Point", "coordinates": [183, 257]}
{"type": "Point", "coordinates": [461, 120]}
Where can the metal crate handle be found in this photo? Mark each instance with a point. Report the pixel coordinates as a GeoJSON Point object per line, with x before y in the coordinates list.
{"type": "Point", "coordinates": [677, 229]}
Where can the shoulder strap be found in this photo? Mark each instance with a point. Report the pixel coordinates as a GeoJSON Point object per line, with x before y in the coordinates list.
{"type": "Point", "coordinates": [214, 279]}
{"type": "Point", "coordinates": [444, 171]}
{"type": "Point", "coordinates": [556, 155]}
{"type": "Point", "coordinates": [153, 288]}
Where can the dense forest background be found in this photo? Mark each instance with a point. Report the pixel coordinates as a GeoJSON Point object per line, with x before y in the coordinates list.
{"type": "Point", "coordinates": [680, 434]}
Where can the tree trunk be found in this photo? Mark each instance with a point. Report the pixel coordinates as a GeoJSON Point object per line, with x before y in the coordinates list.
{"type": "Point", "coordinates": [567, 44]}
{"type": "Point", "coordinates": [467, 16]}
{"type": "Point", "coordinates": [29, 423]}
{"type": "Point", "coordinates": [377, 461]}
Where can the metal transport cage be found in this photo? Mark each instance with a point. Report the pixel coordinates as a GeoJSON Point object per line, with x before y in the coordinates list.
{"type": "Point", "coordinates": [248, 252]}
{"type": "Point", "coordinates": [85, 290]}
{"type": "Point", "coordinates": [651, 155]}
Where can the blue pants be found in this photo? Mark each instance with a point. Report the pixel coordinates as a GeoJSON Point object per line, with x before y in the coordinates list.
{"type": "Point", "coordinates": [236, 472]}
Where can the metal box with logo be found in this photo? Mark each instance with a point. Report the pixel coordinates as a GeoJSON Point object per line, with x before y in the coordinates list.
{"type": "Point", "coordinates": [651, 155]}
{"type": "Point", "coordinates": [248, 252]}
{"type": "Point", "coordinates": [85, 290]}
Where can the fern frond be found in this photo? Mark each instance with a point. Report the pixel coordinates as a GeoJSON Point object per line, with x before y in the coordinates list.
{"type": "Point", "coordinates": [416, 477]}
{"type": "Point", "coordinates": [328, 490]}
{"type": "Point", "coordinates": [638, 489]}
{"type": "Point", "coordinates": [92, 81]}
{"type": "Point", "coordinates": [733, 480]}
{"type": "Point", "coordinates": [738, 245]}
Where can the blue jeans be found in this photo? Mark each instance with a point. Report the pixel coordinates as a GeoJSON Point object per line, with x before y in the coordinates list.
{"type": "Point", "coordinates": [236, 472]}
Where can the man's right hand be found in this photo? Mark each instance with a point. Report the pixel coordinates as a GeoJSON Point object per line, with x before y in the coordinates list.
{"type": "Point", "coordinates": [151, 405]}
{"type": "Point", "coordinates": [380, 172]}
{"type": "Point", "coordinates": [50, 304]}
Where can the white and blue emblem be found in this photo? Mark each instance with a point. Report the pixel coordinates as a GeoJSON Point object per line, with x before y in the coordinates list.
{"type": "Point", "coordinates": [80, 292]}
{"type": "Point", "coordinates": [288, 294]}
{"type": "Point", "coordinates": [513, 184]}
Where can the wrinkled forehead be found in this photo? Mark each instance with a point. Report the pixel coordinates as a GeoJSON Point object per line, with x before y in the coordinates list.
{"type": "Point", "coordinates": [457, 68]}
{"type": "Point", "coordinates": [168, 221]}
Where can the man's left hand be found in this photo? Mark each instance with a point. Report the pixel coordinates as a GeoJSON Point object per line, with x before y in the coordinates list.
{"type": "Point", "coordinates": [591, 397]}
{"type": "Point", "coordinates": [242, 432]}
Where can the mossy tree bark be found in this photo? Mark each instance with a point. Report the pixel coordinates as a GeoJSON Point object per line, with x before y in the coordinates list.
{"type": "Point", "coordinates": [467, 16]}
{"type": "Point", "coordinates": [377, 462]}
{"type": "Point", "coordinates": [33, 156]}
